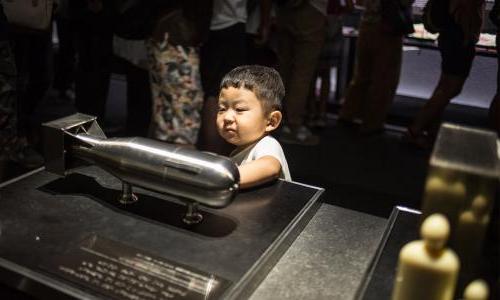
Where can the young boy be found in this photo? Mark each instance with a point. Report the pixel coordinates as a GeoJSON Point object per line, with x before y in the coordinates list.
{"type": "Point", "coordinates": [249, 109]}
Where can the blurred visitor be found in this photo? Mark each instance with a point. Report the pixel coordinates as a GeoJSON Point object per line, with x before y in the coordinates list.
{"type": "Point", "coordinates": [225, 49]}
{"type": "Point", "coordinates": [459, 26]}
{"type": "Point", "coordinates": [329, 56]}
{"type": "Point", "coordinates": [65, 58]}
{"type": "Point", "coordinates": [259, 27]}
{"type": "Point", "coordinates": [131, 60]}
{"type": "Point", "coordinates": [378, 64]}
{"type": "Point", "coordinates": [13, 145]}
{"type": "Point", "coordinates": [174, 67]}
{"type": "Point", "coordinates": [94, 37]}
{"type": "Point", "coordinates": [33, 53]}
{"type": "Point", "coordinates": [8, 100]}
{"type": "Point", "coordinates": [301, 31]}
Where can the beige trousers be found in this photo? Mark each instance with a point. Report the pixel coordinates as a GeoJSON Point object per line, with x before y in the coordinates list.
{"type": "Point", "coordinates": [376, 77]}
{"type": "Point", "coordinates": [301, 34]}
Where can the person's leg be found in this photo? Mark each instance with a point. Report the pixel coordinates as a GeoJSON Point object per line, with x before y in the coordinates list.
{"type": "Point", "coordinates": [33, 55]}
{"type": "Point", "coordinates": [260, 54]}
{"type": "Point", "coordinates": [93, 72]}
{"type": "Point", "coordinates": [82, 93]}
{"type": "Point", "coordinates": [41, 66]}
{"type": "Point", "coordinates": [138, 101]}
{"type": "Point", "coordinates": [284, 41]}
{"type": "Point", "coordinates": [21, 55]}
{"type": "Point", "coordinates": [456, 62]}
{"type": "Point", "coordinates": [361, 80]}
{"type": "Point", "coordinates": [209, 138]}
{"type": "Point", "coordinates": [210, 63]}
{"type": "Point", "coordinates": [309, 35]}
{"type": "Point", "coordinates": [384, 81]}
{"type": "Point", "coordinates": [41, 74]}
{"type": "Point", "coordinates": [312, 100]}
{"type": "Point", "coordinates": [324, 95]}
{"type": "Point", "coordinates": [225, 50]}
{"type": "Point", "coordinates": [33, 62]}
{"type": "Point", "coordinates": [66, 56]}
{"type": "Point", "coordinates": [448, 87]}
{"type": "Point", "coordinates": [8, 102]}
{"type": "Point", "coordinates": [14, 93]}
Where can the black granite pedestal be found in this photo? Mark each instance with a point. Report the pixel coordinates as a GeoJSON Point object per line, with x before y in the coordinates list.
{"type": "Point", "coordinates": [402, 228]}
{"type": "Point", "coordinates": [70, 238]}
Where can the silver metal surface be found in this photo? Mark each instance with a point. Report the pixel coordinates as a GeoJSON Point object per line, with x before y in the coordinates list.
{"type": "Point", "coordinates": [54, 140]}
{"type": "Point", "coordinates": [206, 178]}
{"type": "Point", "coordinates": [127, 196]}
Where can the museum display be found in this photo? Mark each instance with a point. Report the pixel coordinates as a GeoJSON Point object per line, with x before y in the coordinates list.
{"type": "Point", "coordinates": [194, 176]}
{"type": "Point", "coordinates": [427, 263]}
{"type": "Point", "coordinates": [66, 234]}
{"type": "Point", "coordinates": [476, 290]}
{"type": "Point", "coordinates": [471, 231]}
{"type": "Point", "coordinates": [461, 184]}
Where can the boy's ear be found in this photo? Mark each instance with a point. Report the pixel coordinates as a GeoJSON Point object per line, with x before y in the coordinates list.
{"type": "Point", "coordinates": [274, 120]}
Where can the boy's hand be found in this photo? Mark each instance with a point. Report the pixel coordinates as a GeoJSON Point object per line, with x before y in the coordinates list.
{"type": "Point", "coordinates": [259, 171]}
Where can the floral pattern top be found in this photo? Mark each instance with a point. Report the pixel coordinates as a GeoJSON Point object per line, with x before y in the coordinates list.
{"type": "Point", "coordinates": [177, 92]}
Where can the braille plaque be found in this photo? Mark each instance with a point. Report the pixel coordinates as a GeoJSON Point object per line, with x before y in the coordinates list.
{"type": "Point", "coordinates": [119, 271]}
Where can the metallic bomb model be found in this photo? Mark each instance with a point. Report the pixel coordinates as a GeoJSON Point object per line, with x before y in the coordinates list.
{"type": "Point", "coordinates": [193, 176]}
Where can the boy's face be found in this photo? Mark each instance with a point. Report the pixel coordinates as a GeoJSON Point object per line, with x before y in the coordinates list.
{"type": "Point", "coordinates": [241, 119]}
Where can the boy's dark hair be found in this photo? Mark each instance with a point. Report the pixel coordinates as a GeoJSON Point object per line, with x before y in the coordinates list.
{"type": "Point", "coordinates": [263, 81]}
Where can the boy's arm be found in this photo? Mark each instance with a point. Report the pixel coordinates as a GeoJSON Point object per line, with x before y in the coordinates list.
{"type": "Point", "coordinates": [259, 171]}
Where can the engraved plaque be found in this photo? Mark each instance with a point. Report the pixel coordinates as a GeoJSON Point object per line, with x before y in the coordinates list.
{"type": "Point", "coordinates": [119, 271]}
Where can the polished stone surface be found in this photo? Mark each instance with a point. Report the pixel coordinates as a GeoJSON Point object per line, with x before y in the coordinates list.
{"type": "Point", "coordinates": [328, 259]}
{"type": "Point", "coordinates": [43, 216]}
{"type": "Point", "coordinates": [402, 227]}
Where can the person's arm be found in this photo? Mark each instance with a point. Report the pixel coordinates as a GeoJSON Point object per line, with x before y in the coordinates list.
{"type": "Point", "coordinates": [259, 171]}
